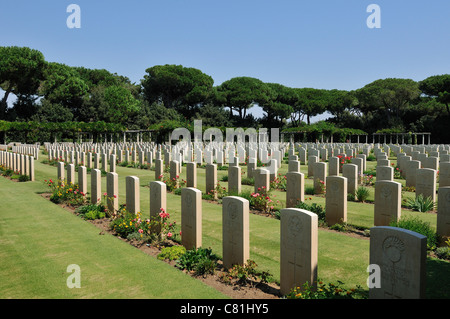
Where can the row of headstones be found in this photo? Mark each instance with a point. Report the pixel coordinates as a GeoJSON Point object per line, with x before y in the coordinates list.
{"type": "Point", "coordinates": [387, 197]}
{"type": "Point", "coordinates": [325, 150]}
{"type": "Point", "coordinates": [99, 147]}
{"type": "Point", "coordinates": [399, 254]}
{"type": "Point", "coordinates": [390, 193]}
{"type": "Point", "coordinates": [23, 164]}
{"type": "Point", "coordinates": [298, 241]}
{"type": "Point", "coordinates": [295, 182]}
{"type": "Point", "coordinates": [262, 177]}
{"type": "Point", "coordinates": [409, 165]}
{"type": "Point", "coordinates": [387, 206]}
{"type": "Point", "coordinates": [385, 173]}
{"type": "Point", "coordinates": [221, 153]}
{"type": "Point", "coordinates": [390, 248]}
{"type": "Point", "coordinates": [396, 249]}
{"type": "Point", "coordinates": [411, 170]}
{"type": "Point", "coordinates": [93, 159]}
{"type": "Point", "coordinates": [27, 149]}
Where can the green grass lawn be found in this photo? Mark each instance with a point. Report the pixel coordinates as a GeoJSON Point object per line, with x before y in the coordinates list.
{"type": "Point", "coordinates": [39, 240]}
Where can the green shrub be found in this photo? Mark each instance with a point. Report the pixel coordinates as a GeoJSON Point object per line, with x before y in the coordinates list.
{"type": "Point", "coordinates": [362, 194]}
{"type": "Point", "coordinates": [201, 261]}
{"type": "Point", "coordinates": [8, 172]}
{"type": "Point", "coordinates": [309, 190]}
{"type": "Point", "coordinates": [260, 201]}
{"type": "Point", "coordinates": [137, 236]}
{"type": "Point", "coordinates": [171, 253]}
{"type": "Point", "coordinates": [421, 203]}
{"type": "Point", "coordinates": [370, 172]}
{"type": "Point", "coordinates": [245, 274]}
{"type": "Point", "coordinates": [248, 181]}
{"type": "Point", "coordinates": [155, 229]}
{"type": "Point", "coordinates": [443, 252]}
{"type": "Point", "coordinates": [314, 208]}
{"type": "Point", "coordinates": [219, 192]}
{"type": "Point", "coordinates": [68, 193]}
{"type": "Point", "coordinates": [326, 291]}
{"type": "Point", "coordinates": [24, 178]}
{"type": "Point", "coordinates": [340, 227]}
{"type": "Point", "coordinates": [279, 182]}
{"type": "Point", "coordinates": [417, 225]}
{"type": "Point", "coordinates": [205, 266]}
{"type": "Point", "coordinates": [397, 173]}
{"type": "Point", "coordinates": [92, 211]}
{"type": "Point", "coordinates": [277, 214]}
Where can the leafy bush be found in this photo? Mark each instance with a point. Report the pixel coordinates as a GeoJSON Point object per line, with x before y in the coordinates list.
{"type": "Point", "coordinates": [6, 171]}
{"type": "Point", "coordinates": [340, 227]}
{"type": "Point", "coordinates": [248, 181]}
{"type": "Point", "coordinates": [280, 182]}
{"type": "Point", "coordinates": [397, 171]}
{"type": "Point", "coordinates": [309, 190]}
{"type": "Point", "coordinates": [172, 183]}
{"type": "Point", "coordinates": [245, 274]}
{"type": "Point", "coordinates": [367, 180]}
{"type": "Point", "coordinates": [92, 211]}
{"type": "Point", "coordinates": [219, 192]}
{"type": "Point", "coordinates": [443, 252]}
{"type": "Point", "coordinates": [421, 203]}
{"type": "Point", "coordinates": [156, 229]}
{"type": "Point", "coordinates": [314, 208]}
{"type": "Point", "coordinates": [326, 291]}
{"type": "Point", "coordinates": [370, 172]}
{"type": "Point", "coordinates": [126, 223]}
{"type": "Point", "coordinates": [171, 253]}
{"type": "Point", "coordinates": [136, 236]}
{"type": "Point", "coordinates": [411, 189]}
{"type": "Point", "coordinates": [276, 214]}
{"type": "Point", "coordinates": [68, 193]}
{"type": "Point", "coordinates": [417, 225]}
{"type": "Point", "coordinates": [362, 194]}
{"type": "Point", "coordinates": [351, 197]}
{"type": "Point", "coordinates": [24, 178]}
{"type": "Point", "coordinates": [201, 261]}
{"type": "Point", "coordinates": [261, 201]}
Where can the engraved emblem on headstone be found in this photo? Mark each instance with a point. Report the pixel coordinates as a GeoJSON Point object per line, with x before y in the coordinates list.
{"type": "Point", "coordinates": [393, 247]}
{"type": "Point", "coordinates": [188, 200]}
{"type": "Point", "coordinates": [295, 226]}
{"type": "Point", "coordinates": [386, 192]}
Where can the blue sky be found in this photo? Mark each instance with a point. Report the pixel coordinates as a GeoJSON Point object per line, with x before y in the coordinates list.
{"type": "Point", "coordinates": [322, 44]}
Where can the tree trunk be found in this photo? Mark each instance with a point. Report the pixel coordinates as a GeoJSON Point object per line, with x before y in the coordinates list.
{"type": "Point", "coordinates": [4, 105]}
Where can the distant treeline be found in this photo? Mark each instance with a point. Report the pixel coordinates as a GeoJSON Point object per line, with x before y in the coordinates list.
{"type": "Point", "coordinates": [174, 95]}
